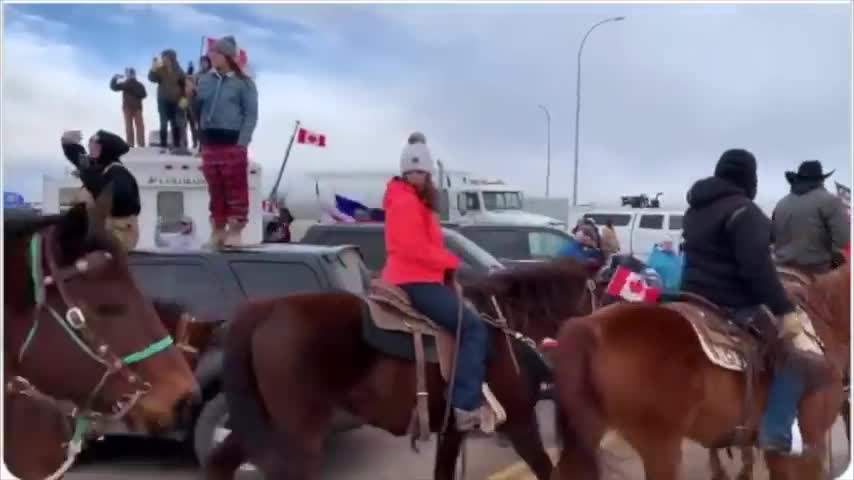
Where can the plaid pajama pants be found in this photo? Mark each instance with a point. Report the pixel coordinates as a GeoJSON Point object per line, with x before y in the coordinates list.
{"type": "Point", "coordinates": [225, 169]}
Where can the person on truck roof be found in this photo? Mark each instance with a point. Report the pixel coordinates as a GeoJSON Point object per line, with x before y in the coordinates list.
{"type": "Point", "coordinates": [102, 165]}
{"type": "Point", "coordinates": [418, 262]}
{"type": "Point", "coordinates": [227, 104]}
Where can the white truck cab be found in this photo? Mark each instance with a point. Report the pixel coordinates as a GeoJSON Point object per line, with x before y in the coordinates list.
{"type": "Point", "coordinates": [639, 229]}
{"type": "Point", "coordinates": [171, 188]}
{"type": "Point", "coordinates": [481, 201]}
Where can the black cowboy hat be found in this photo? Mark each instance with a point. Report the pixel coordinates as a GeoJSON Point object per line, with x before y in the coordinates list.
{"type": "Point", "coordinates": [809, 170]}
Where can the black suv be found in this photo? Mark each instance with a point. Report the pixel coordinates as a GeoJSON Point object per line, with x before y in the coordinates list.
{"type": "Point", "coordinates": [213, 284]}
{"type": "Point", "coordinates": [370, 238]}
{"type": "Point", "coordinates": [513, 244]}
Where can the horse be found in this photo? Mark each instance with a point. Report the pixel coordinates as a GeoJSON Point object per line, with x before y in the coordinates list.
{"type": "Point", "coordinates": [192, 334]}
{"type": "Point", "coordinates": [291, 360]}
{"type": "Point", "coordinates": [105, 358]}
{"type": "Point", "coordinates": [640, 370]}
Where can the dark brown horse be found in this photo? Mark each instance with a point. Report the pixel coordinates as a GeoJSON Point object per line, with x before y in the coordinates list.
{"type": "Point", "coordinates": [291, 360]}
{"type": "Point", "coordinates": [639, 370]}
{"type": "Point", "coordinates": [77, 328]}
{"type": "Point", "coordinates": [192, 334]}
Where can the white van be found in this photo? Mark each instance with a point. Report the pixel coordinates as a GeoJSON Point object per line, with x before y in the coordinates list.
{"type": "Point", "coordinates": [639, 229]}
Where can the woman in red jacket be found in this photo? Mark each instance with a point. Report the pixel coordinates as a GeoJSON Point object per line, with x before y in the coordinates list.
{"type": "Point", "coordinates": [418, 262]}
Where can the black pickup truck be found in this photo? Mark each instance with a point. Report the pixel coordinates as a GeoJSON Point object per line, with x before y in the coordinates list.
{"type": "Point", "coordinates": [212, 284]}
{"type": "Point", "coordinates": [370, 238]}
{"type": "Point", "coordinates": [515, 244]}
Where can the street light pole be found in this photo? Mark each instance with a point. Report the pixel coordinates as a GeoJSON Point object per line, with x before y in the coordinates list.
{"type": "Point", "coordinates": [548, 147]}
{"type": "Point", "coordinates": [578, 105]}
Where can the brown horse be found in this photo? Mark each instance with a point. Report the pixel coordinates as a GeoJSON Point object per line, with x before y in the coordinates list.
{"type": "Point", "coordinates": [77, 328]}
{"type": "Point", "coordinates": [291, 360]}
{"type": "Point", "coordinates": [640, 370]}
{"type": "Point", "coordinates": [192, 334]}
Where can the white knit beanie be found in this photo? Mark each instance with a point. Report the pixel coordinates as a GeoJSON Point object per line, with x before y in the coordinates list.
{"type": "Point", "coordinates": [416, 156]}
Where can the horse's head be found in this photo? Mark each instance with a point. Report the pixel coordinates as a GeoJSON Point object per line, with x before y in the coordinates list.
{"type": "Point", "coordinates": [534, 298]}
{"type": "Point", "coordinates": [97, 340]}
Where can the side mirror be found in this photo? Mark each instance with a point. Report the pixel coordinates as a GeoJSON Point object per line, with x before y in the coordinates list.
{"type": "Point", "coordinates": [461, 204]}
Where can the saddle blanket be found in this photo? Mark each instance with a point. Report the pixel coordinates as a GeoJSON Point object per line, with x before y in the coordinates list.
{"type": "Point", "coordinates": [728, 346]}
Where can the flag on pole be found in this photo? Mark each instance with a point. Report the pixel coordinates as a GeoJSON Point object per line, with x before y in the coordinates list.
{"type": "Point", "coordinates": [308, 137]}
{"type": "Point", "coordinates": [242, 56]}
{"type": "Point", "coordinates": [632, 287]}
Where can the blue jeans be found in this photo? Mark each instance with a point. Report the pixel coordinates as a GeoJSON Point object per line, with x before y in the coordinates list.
{"type": "Point", "coordinates": [168, 112]}
{"type": "Point", "coordinates": [440, 304]}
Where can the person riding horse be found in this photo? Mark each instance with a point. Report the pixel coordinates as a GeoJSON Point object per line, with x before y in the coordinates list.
{"type": "Point", "coordinates": [728, 261]}
{"type": "Point", "coordinates": [810, 224]}
{"type": "Point", "coordinates": [585, 245]}
{"type": "Point", "coordinates": [418, 262]}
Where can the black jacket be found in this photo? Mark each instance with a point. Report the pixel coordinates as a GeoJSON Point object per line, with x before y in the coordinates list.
{"type": "Point", "coordinates": [97, 175]}
{"type": "Point", "coordinates": [727, 249]}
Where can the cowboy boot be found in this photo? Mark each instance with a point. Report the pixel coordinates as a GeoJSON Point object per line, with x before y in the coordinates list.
{"type": "Point", "coordinates": [234, 233]}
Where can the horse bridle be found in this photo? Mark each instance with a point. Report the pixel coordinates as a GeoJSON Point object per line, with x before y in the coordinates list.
{"type": "Point", "coordinates": [75, 325]}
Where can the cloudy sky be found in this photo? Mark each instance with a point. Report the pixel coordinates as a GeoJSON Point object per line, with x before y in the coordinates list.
{"type": "Point", "coordinates": [663, 92]}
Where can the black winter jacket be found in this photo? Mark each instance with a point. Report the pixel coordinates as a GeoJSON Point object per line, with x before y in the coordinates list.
{"type": "Point", "coordinates": [96, 177]}
{"type": "Point", "coordinates": [727, 249]}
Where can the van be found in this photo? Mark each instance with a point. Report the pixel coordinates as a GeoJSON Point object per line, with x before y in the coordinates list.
{"type": "Point", "coordinates": [639, 229]}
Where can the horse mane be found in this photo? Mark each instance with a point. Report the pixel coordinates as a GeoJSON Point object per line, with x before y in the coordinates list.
{"type": "Point", "coordinates": [544, 291]}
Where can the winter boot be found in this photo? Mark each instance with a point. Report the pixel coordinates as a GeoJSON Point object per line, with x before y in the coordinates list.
{"type": "Point", "coordinates": [217, 240]}
{"type": "Point", "coordinates": [234, 234]}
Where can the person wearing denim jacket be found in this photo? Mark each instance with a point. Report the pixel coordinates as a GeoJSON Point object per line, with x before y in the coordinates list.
{"type": "Point", "coordinates": [226, 102]}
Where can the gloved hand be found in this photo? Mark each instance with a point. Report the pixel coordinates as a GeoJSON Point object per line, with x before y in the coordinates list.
{"type": "Point", "coordinates": [183, 103]}
{"type": "Point", "coordinates": [792, 324]}
{"type": "Point", "coordinates": [71, 136]}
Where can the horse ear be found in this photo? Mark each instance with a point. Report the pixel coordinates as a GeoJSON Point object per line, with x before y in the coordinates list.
{"type": "Point", "coordinates": [99, 212]}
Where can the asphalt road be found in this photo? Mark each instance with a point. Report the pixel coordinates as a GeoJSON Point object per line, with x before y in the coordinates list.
{"type": "Point", "coordinates": [368, 453]}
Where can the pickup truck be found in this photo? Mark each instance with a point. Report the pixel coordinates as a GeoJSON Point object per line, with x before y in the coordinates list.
{"type": "Point", "coordinates": [370, 239]}
{"type": "Point", "coordinates": [211, 285]}
{"type": "Point", "coordinates": [515, 244]}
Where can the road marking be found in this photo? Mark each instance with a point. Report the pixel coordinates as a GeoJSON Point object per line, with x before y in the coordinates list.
{"type": "Point", "coordinates": [520, 470]}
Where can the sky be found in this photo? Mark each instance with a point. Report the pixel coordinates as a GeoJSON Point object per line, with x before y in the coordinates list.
{"type": "Point", "coordinates": [664, 92]}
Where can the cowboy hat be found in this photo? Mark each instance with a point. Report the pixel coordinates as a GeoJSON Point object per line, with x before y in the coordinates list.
{"type": "Point", "coordinates": [809, 170]}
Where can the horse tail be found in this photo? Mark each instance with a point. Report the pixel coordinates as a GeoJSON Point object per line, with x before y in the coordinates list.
{"type": "Point", "coordinates": [579, 419]}
{"type": "Point", "coordinates": [247, 415]}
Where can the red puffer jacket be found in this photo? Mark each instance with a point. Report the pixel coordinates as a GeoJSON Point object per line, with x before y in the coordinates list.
{"type": "Point", "coordinates": [415, 249]}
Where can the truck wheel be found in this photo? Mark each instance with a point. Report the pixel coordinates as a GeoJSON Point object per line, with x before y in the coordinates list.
{"type": "Point", "coordinates": [210, 427]}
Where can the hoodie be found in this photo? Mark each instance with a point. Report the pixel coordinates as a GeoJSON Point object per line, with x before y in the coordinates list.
{"type": "Point", "coordinates": [415, 248]}
{"type": "Point", "coordinates": [107, 168]}
{"type": "Point", "coordinates": [728, 249]}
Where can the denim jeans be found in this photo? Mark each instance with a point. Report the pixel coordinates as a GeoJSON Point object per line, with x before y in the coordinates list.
{"type": "Point", "coordinates": [440, 304]}
{"type": "Point", "coordinates": [168, 111]}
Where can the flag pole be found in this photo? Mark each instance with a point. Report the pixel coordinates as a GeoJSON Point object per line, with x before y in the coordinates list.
{"type": "Point", "coordinates": [284, 162]}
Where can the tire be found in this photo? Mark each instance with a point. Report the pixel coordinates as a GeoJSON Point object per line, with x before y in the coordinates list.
{"type": "Point", "coordinates": [211, 421]}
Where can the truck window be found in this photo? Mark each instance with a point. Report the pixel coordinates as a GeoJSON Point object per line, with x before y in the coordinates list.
{"type": "Point", "coordinates": [472, 254]}
{"type": "Point", "coordinates": [190, 284]}
{"type": "Point", "coordinates": [545, 244]}
{"type": "Point", "coordinates": [676, 222]}
{"type": "Point", "coordinates": [502, 200]}
{"type": "Point", "coordinates": [371, 244]}
{"type": "Point", "coordinates": [652, 222]}
{"type": "Point", "coordinates": [618, 219]}
{"type": "Point", "coordinates": [267, 279]}
{"type": "Point", "coordinates": [469, 200]}
{"type": "Point", "coordinates": [170, 211]}
{"type": "Point", "coordinates": [352, 273]}
{"type": "Point", "coordinates": [510, 244]}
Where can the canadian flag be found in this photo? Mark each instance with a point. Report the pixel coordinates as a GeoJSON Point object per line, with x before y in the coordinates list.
{"type": "Point", "coordinates": [631, 287]}
{"type": "Point", "coordinates": [242, 56]}
{"type": "Point", "coordinates": [311, 138]}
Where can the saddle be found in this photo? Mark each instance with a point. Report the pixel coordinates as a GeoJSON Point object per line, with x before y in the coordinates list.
{"type": "Point", "coordinates": [394, 327]}
{"type": "Point", "coordinates": [744, 345]}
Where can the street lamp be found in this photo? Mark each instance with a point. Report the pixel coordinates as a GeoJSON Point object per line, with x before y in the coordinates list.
{"type": "Point", "coordinates": [548, 146]}
{"type": "Point", "coordinates": [578, 105]}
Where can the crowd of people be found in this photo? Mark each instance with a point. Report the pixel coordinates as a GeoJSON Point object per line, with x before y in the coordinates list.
{"type": "Point", "coordinates": [220, 104]}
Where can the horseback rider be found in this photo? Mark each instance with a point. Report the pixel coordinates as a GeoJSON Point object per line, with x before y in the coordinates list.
{"type": "Point", "coordinates": [810, 224]}
{"type": "Point", "coordinates": [728, 261]}
{"type": "Point", "coordinates": [418, 262]}
{"type": "Point", "coordinates": [585, 245]}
